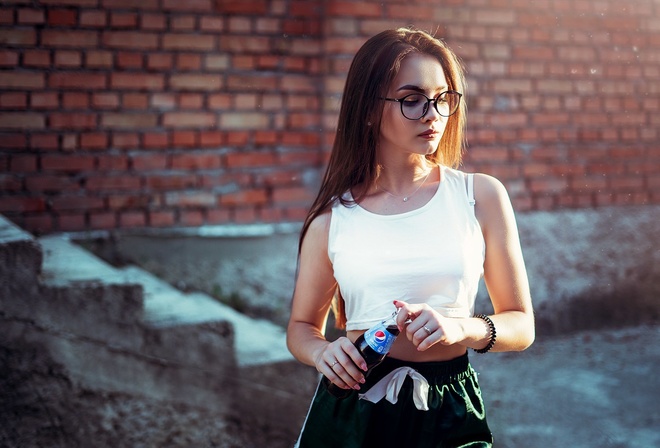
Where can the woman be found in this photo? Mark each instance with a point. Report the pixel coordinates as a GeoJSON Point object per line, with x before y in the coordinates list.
{"type": "Point", "coordinates": [396, 226]}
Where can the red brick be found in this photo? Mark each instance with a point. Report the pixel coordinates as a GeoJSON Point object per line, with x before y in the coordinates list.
{"type": "Point", "coordinates": [153, 21]}
{"type": "Point", "coordinates": [147, 162]}
{"type": "Point", "coordinates": [12, 141]}
{"type": "Point", "coordinates": [137, 81]}
{"type": "Point", "coordinates": [189, 119]}
{"type": "Point", "coordinates": [245, 215]}
{"type": "Point", "coordinates": [51, 183]}
{"type": "Point", "coordinates": [13, 100]}
{"type": "Point", "coordinates": [102, 220]}
{"type": "Point", "coordinates": [103, 100]}
{"type": "Point", "coordinates": [128, 120]}
{"type": "Point", "coordinates": [210, 138]}
{"type": "Point", "coordinates": [64, 120]}
{"type": "Point", "coordinates": [409, 12]}
{"type": "Point", "coordinates": [250, 159]}
{"type": "Point", "coordinates": [159, 61]}
{"type": "Point", "coordinates": [18, 80]}
{"type": "Point", "coordinates": [202, 82]}
{"type": "Point", "coordinates": [22, 120]}
{"type": "Point", "coordinates": [21, 204]}
{"type": "Point", "coordinates": [131, 40]}
{"type": "Point", "coordinates": [98, 59]}
{"type": "Point", "coordinates": [161, 218]}
{"type": "Point", "coordinates": [18, 37]}
{"type": "Point", "coordinates": [170, 182]}
{"type": "Point", "coordinates": [112, 183]}
{"type": "Point", "coordinates": [68, 59]}
{"type": "Point", "coordinates": [184, 139]}
{"type": "Point", "coordinates": [77, 80]}
{"type": "Point", "coordinates": [94, 140]}
{"type": "Point", "coordinates": [123, 20]}
{"type": "Point", "coordinates": [75, 100]}
{"type": "Point", "coordinates": [213, 24]}
{"type": "Point", "coordinates": [67, 162]}
{"type": "Point", "coordinates": [189, 42]}
{"type": "Point", "coordinates": [243, 44]}
{"type": "Point", "coordinates": [196, 161]}
{"type": "Point", "coordinates": [182, 22]}
{"type": "Point", "coordinates": [135, 101]}
{"type": "Point", "coordinates": [7, 16]}
{"type": "Point", "coordinates": [191, 217]}
{"type": "Point", "coordinates": [23, 163]}
{"type": "Point", "coordinates": [190, 199]}
{"type": "Point", "coordinates": [9, 58]}
{"type": "Point", "coordinates": [130, 60]}
{"type": "Point", "coordinates": [244, 197]}
{"type": "Point", "coordinates": [79, 3]}
{"type": "Point", "coordinates": [130, 4]}
{"type": "Point", "coordinates": [44, 141]}
{"type": "Point", "coordinates": [155, 140]}
{"type": "Point", "coordinates": [125, 140]}
{"type": "Point", "coordinates": [30, 16]}
{"type": "Point", "coordinates": [189, 61]}
{"type": "Point", "coordinates": [189, 5]}
{"type": "Point", "coordinates": [191, 101]}
{"type": "Point", "coordinates": [93, 18]}
{"type": "Point", "coordinates": [69, 38]}
{"type": "Point", "coordinates": [256, 7]}
{"type": "Point", "coordinates": [132, 219]}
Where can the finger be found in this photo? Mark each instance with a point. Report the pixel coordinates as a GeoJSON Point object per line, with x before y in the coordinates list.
{"type": "Point", "coordinates": [348, 374]}
{"type": "Point", "coordinates": [430, 339]}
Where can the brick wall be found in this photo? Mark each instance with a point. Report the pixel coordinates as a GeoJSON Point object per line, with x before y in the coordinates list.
{"type": "Point", "coordinates": [167, 113]}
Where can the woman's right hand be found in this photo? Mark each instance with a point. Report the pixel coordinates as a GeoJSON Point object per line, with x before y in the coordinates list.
{"type": "Point", "coordinates": [341, 362]}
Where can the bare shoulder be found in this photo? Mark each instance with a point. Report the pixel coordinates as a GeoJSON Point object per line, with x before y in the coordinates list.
{"type": "Point", "coordinates": [317, 233]}
{"type": "Point", "coordinates": [488, 188]}
{"type": "Point", "coordinates": [493, 205]}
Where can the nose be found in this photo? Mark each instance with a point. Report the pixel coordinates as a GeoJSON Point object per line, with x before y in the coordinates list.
{"type": "Point", "coordinates": [432, 113]}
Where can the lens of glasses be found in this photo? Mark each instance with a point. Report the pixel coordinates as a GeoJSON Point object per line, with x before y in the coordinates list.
{"type": "Point", "coordinates": [416, 105]}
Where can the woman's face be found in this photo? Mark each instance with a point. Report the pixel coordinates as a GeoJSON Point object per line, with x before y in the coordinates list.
{"type": "Point", "coordinates": [419, 73]}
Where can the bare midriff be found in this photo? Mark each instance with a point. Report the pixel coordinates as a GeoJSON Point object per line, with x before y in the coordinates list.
{"type": "Point", "coordinates": [404, 350]}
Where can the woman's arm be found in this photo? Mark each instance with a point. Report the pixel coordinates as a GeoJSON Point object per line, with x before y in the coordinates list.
{"type": "Point", "coordinates": [312, 297]}
{"type": "Point", "coordinates": [504, 269]}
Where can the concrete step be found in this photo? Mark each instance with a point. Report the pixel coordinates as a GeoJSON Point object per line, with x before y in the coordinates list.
{"type": "Point", "coordinates": [256, 341]}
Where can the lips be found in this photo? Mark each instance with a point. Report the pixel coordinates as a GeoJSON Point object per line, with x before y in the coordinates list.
{"type": "Point", "coordinates": [429, 134]}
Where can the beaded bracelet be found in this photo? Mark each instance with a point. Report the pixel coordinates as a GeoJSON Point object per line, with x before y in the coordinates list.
{"type": "Point", "coordinates": [492, 334]}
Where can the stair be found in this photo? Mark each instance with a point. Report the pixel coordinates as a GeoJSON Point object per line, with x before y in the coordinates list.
{"type": "Point", "coordinates": [255, 341]}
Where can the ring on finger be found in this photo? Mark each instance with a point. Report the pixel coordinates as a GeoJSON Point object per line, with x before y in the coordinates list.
{"type": "Point", "coordinates": [427, 330]}
{"type": "Point", "coordinates": [333, 364]}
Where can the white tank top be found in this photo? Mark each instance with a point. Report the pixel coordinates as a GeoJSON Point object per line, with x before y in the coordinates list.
{"type": "Point", "coordinates": [434, 254]}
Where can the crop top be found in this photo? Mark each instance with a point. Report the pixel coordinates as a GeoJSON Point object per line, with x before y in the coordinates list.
{"type": "Point", "coordinates": [434, 254]}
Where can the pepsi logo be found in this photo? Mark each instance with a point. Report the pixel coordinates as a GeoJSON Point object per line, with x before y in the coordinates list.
{"type": "Point", "coordinates": [380, 336]}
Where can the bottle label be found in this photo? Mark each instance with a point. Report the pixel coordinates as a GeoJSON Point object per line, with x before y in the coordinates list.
{"type": "Point", "coordinates": [379, 339]}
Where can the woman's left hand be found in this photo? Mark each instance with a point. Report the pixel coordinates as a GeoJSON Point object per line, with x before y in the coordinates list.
{"type": "Point", "coordinates": [426, 327]}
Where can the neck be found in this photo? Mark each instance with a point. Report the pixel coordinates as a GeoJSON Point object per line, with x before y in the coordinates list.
{"type": "Point", "coordinates": [401, 179]}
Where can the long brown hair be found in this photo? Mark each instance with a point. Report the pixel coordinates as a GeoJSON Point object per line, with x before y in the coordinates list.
{"type": "Point", "coordinates": [353, 157]}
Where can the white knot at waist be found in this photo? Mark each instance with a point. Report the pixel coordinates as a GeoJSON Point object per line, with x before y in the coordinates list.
{"type": "Point", "coordinates": [390, 386]}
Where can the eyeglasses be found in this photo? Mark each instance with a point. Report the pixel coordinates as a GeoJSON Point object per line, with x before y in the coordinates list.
{"type": "Point", "coordinates": [416, 105]}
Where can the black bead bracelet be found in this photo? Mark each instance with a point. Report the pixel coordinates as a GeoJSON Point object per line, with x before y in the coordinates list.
{"type": "Point", "coordinates": [492, 334]}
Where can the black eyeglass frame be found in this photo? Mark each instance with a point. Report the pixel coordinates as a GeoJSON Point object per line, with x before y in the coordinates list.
{"type": "Point", "coordinates": [428, 101]}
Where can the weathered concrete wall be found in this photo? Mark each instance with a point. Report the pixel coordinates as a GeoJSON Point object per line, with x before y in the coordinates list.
{"type": "Point", "coordinates": [79, 367]}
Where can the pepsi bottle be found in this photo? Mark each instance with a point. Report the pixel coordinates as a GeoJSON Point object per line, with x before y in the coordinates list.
{"type": "Point", "coordinates": [374, 344]}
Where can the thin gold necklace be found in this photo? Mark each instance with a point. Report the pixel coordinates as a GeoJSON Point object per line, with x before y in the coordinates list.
{"type": "Point", "coordinates": [405, 198]}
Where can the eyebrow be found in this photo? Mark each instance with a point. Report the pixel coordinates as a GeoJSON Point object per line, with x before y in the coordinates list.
{"type": "Point", "coordinates": [418, 89]}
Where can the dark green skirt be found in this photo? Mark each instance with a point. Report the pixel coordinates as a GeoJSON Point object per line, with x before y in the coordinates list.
{"type": "Point", "coordinates": [456, 415]}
